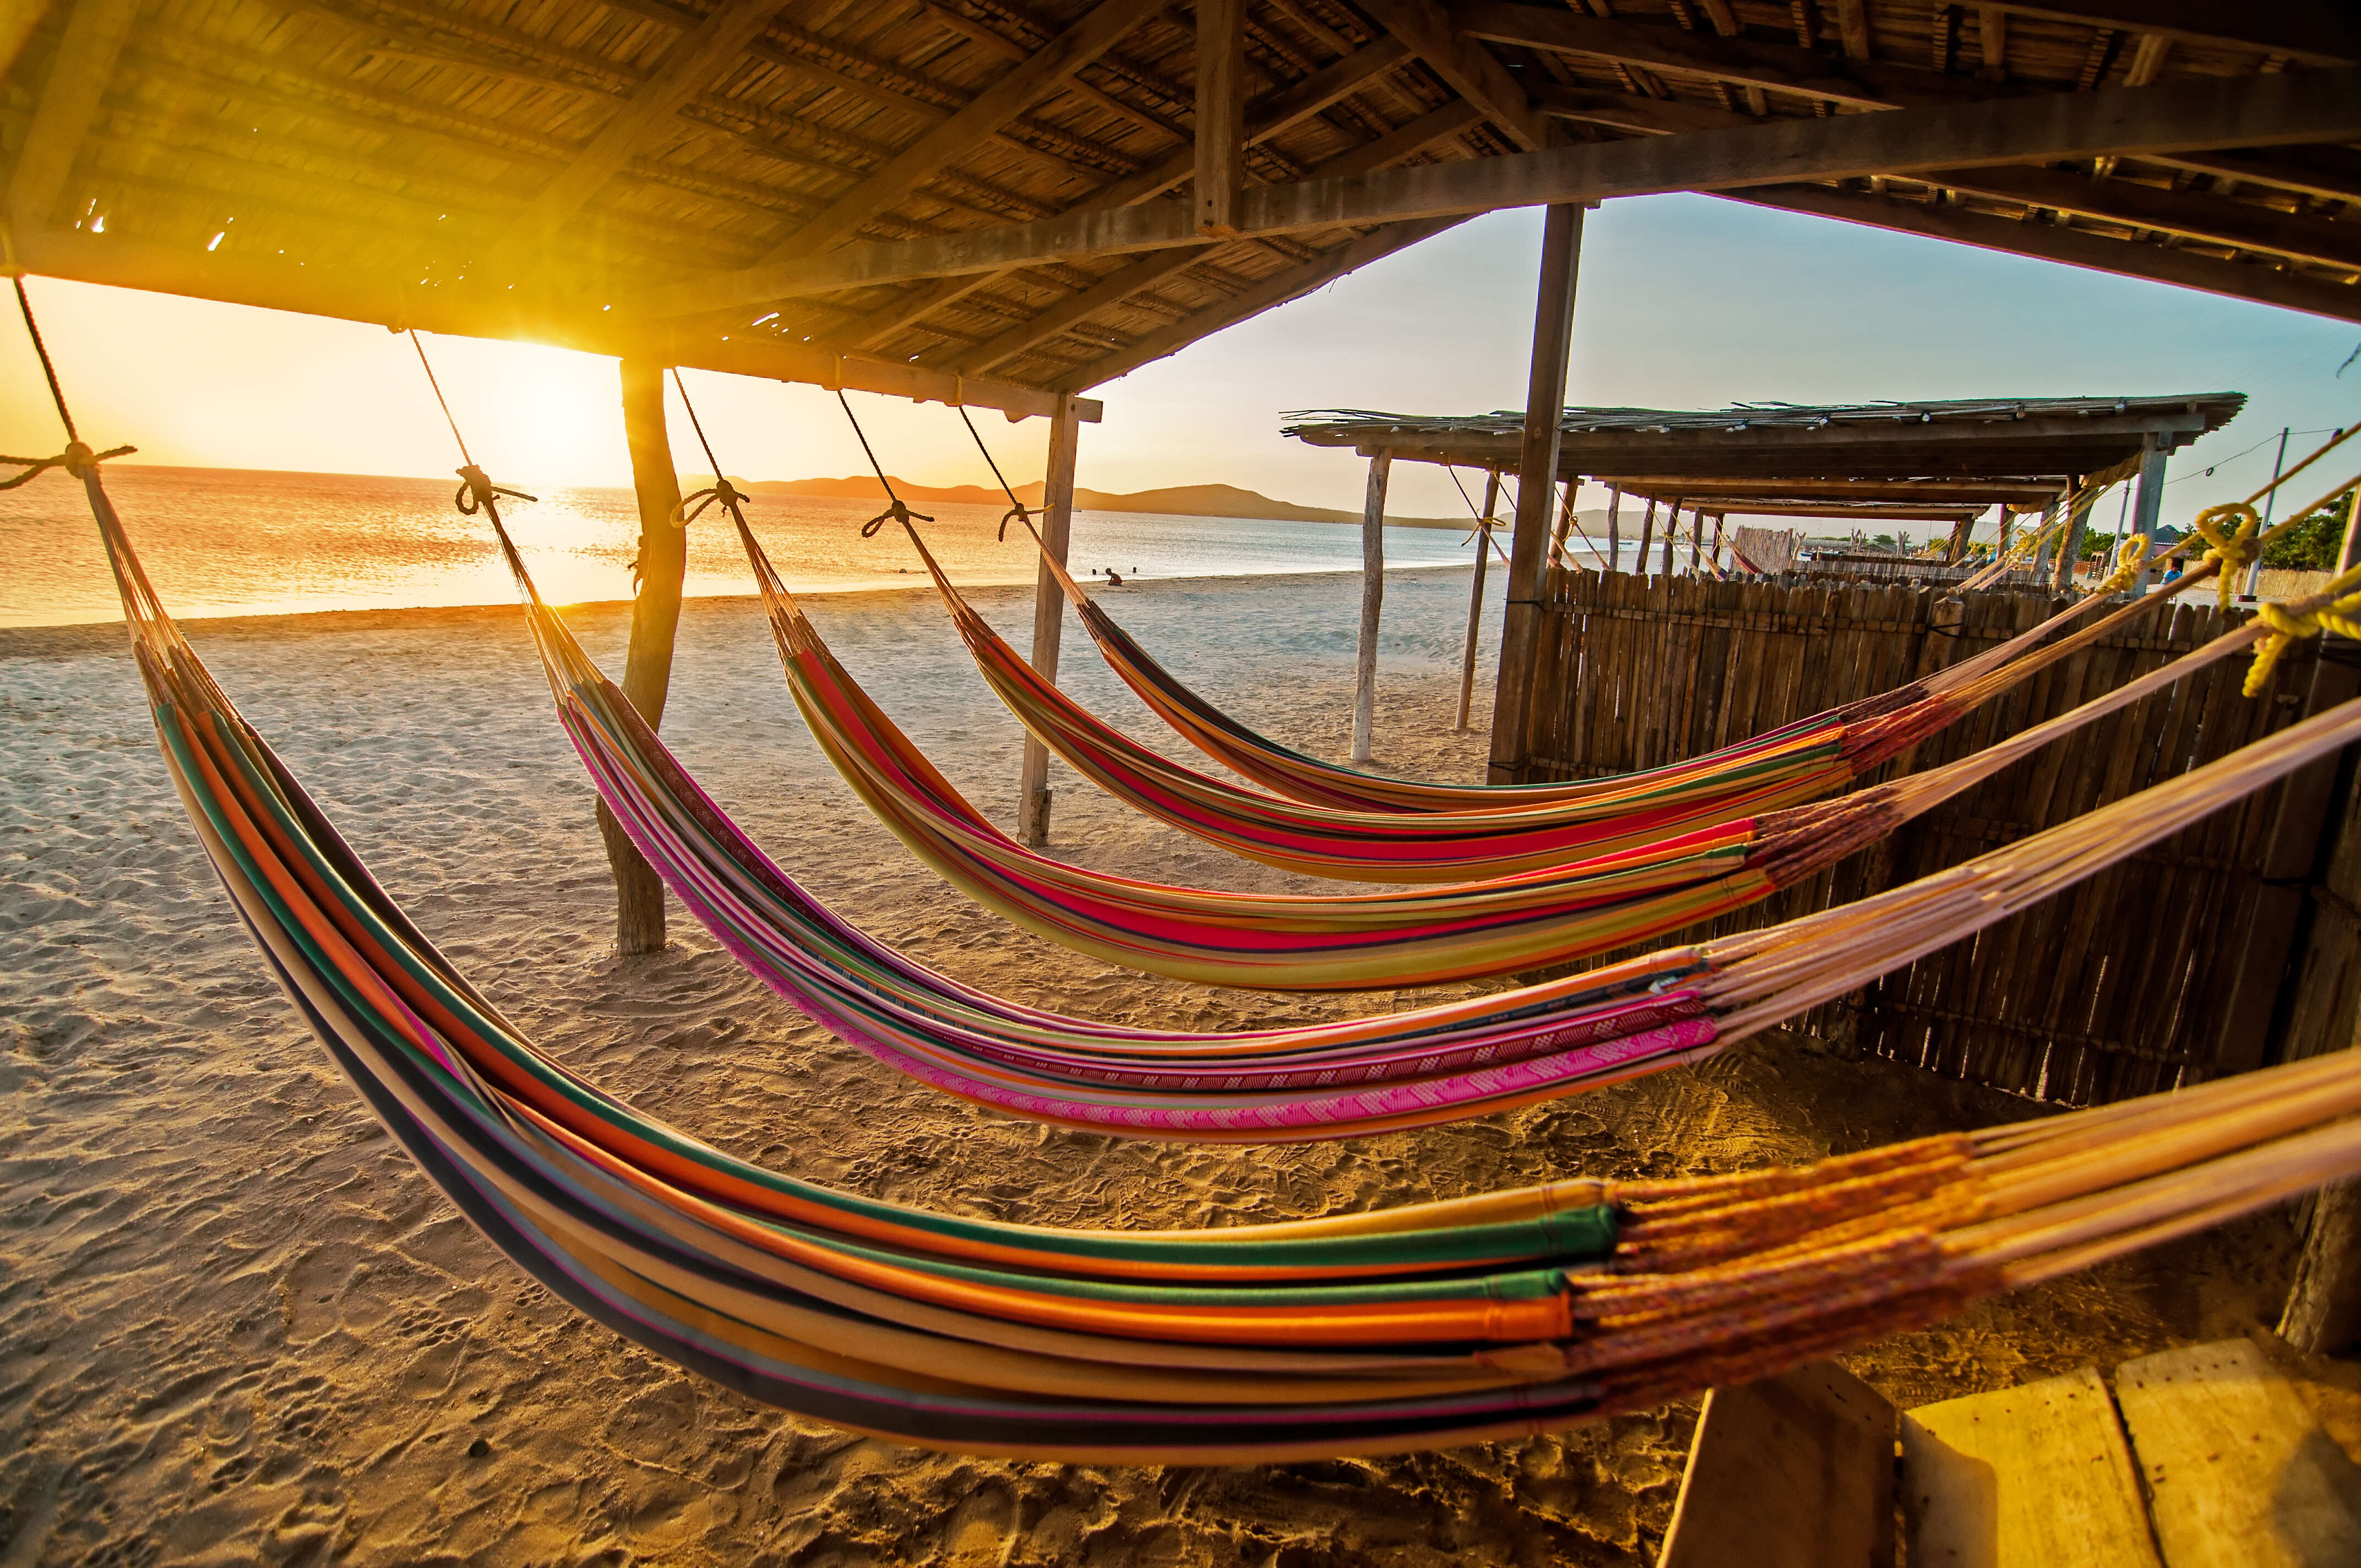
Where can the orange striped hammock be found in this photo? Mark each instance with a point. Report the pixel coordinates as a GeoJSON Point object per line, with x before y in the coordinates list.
{"type": "Point", "coordinates": [1810, 757]}
{"type": "Point", "coordinates": [1340, 942]}
{"type": "Point", "coordinates": [1544, 826]}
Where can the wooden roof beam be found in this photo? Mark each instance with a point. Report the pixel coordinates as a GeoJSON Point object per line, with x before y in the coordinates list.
{"type": "Point", "coordinates": [392, 300]}
{"type": "Point", "coordinates": [2191, 214]}
{"type": "Point", "coordinates": [2325, 174]}
{"type": "Point", "coordinates": [2157, 264]}
{"type": "Point", "coordinates": [1625, 451]}
{"type": "Point", "coordinates": [1632, 111]}
{"type": "Point", "coordinates": [1099, 30]}
{"type": "Point", "coordinates": [79, 74]}
{"type": "Point", "coordinates": [1414, 137]}
{"type": "Point", "coordinates": [688, 67]}
{"type": "Point", "coordinates": [1469, 68]}
{"type": "Point", "coordinates": [1987, 492]}
{"type": "Point", "coordinates": [1779, 68]}
{"type": "Point", "coordinates": [1221, 130]}
{"type": "Point", "coordinates": [2318, 32]}
{"type": "Point", "coordinates": [1268, 294]}
{"type": "Point", "coordinates": [2248, 111]}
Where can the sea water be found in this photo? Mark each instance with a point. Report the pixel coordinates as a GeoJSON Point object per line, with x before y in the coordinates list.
{"type": "Point", "coordinates": [244, 541]}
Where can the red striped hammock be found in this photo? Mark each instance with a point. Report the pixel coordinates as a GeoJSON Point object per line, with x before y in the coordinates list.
{"type": "Point", "coordinates": [1807, 760]}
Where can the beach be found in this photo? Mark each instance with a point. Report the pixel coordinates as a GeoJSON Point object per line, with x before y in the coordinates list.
{"type": "Point", "coordinates": [237, 1325]}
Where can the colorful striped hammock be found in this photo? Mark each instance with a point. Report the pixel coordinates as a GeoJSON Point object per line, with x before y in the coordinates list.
{"type": "Point", "coordinates": [1438, 1323]}
{"type": "Point", "coordinates": [1801, 761]}
{"type": "Point", "coordinates": [1807, 759]}
{"type": "Point", "coordinates": [1329, 942]}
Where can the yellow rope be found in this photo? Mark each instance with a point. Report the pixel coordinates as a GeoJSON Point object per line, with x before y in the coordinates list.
{"type": "Point", "coordinates": [2336, 608]}
{"type": "Point", "coordinates": [2236, 550]}
{"type": "Point", "coordinates": [2131, 559]}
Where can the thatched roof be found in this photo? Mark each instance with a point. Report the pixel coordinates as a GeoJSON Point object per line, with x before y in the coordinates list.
{"type": "Point", "coordinates": [1002, 191]}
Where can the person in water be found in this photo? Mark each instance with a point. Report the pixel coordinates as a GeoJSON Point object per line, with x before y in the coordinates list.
{"type": "Point", "coordinates": [1113, 581]}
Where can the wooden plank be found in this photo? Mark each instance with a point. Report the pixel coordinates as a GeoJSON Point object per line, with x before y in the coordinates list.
{"type": "Point", "coordinates": [1221, 167]}
{"type": "Point", "coordinates": [2191, 214]}
{"type": "Point", "coordinates": [1795, 1471]}
{"type": "Point", "coordinates": [2318, 31]}
{"type": "Point", "coordinates": [2038, 1476]}
{"type": "Point", "coordinates": [2239, 1472]}
{"type": "Point", "coordinates": [2187, 115]}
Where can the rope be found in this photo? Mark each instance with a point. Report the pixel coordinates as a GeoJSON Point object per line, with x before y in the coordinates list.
{"type": "Point", "coordinates": [895, 511]}
{"type": "Point", "coordinates": [1483, 524]}
{"type": "Point", "coordinates": [477, 492]}
{"type": "Point", "coordinates": [2336, 608]}
{"type": "Point", "coordinates": [77, 457]}
{"type": "Point", "coordinates": [721, 492]}
{"type": "Point", "coordinates": [2131, 560]}
{"type": "Point", "coordinates": [1016, 511]}
{"type": "Point", "coordinates": [2234, 550]}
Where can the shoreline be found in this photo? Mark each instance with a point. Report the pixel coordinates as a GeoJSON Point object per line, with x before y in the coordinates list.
{"type": "Point", "coordinates": [251, 621]}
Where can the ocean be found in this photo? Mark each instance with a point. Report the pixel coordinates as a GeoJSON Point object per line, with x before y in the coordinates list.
{"type": "Point", "coordinates": [241, 542]}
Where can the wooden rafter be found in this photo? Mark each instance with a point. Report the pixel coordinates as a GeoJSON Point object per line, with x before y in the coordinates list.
{"type": "Point", "coordinates": [1122, 283]}
{"type": "Point", "coordinates": [2320, 32]}
{"type": "Point", "coordinates": [2295, 106]}
{"type": "Point", "coordinates": [1471, 71]}
{"type": "Point", "coordinates": [1268, 294]}
{"type": "Point", "coordinates": [95, 34]}
{"type": "Point", "coordinates": [689, 67]}
{"type": "Point", "coordinates": [956, 137]}
{"type": "Point", "coordinates": [2191, 214]}
{"type": "Point", "coordinates": [2264, 285]}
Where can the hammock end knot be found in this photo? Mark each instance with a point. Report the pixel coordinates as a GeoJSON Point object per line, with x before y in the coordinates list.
{"type": "Point", "coordinates": [1013, 514]}
{"type": "Point", "coordinates": [2131, 559]}
{"type": "Point", "coordinates": [478, 493]}
{"type": "Point", "coordinates": [77, 460]}
{"type": "Point", "coordinates": [2235, 549]}
{"type": "Point", "coordinates": [722, 493]}
{"type": "Point", "coordinates": [2336, 608]}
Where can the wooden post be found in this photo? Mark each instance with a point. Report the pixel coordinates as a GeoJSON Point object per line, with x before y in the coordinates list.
{"type": "Point", "coordinates": [1672, 533]}
{"type": "Point", "coordinates": [1221, 114]}
{"type": "Point", "coordinates": [1714, 555]}
{"type": "Point", "coordinates": [1959, 532]}
{"type": "Point", "coordinates": [1647, 537]}
{"type": "Point", "coordinates": [655, 619]}
{"type": "Point", "coordinates": [1536, 481]}
{"type": "Point", "coordinates": [1696, 541]}
{"type": "Point", "coordinates": [2148, 504]}
{"type": "Point", "coordinates": [1373, 596]}
{"type": "Point", "coordinates": [2323, 1306]}
{"type": "Point", "coordinates": [1564, 531]}
{"type": "Point", "coordinates": [1475, 600]}
{"type": "Point", "coordinates": [1048, 612]}
{"type": "Point", "coordinates": [1614, 528]}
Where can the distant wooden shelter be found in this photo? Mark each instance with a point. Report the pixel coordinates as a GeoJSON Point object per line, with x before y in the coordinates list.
{"type": "Point", "coordinates": [1856, 464]}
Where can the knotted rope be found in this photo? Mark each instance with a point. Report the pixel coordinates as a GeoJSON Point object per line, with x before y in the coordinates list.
{"type": "Point", "coordinates": [1017, 511]}
{"type": "Point", "coordinates": [2131, 560]}
{"type": "Point", "coordinates": [77, 459]}
{"type": "Point", "coordinates": [2336, 608]}
{"type": "Point", "coordinates": [722, 492]}
{"type": "Point", "coordinates": [895, 511]}
{"type": "Point", "coordinates": [477, 492]}
{"type": "Point", "coordinates": [2234, 550]}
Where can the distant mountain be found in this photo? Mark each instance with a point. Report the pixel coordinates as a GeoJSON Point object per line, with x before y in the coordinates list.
{"type": "Point", "coordinates": [1179, 501]}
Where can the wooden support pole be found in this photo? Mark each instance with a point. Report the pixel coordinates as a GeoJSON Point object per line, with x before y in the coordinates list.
{"type": "Point", "coordinates": [1536, 481]}
{"type": "Point", "coordinates": [1614, 528]}
{"type": "Point", "coordinates": [1475, 600]}
{"type": "Point", "coordinates": [2147, 505]}
{"type": "Point", "coordinates": [1696, 541]}
{"type": "Point", "coordinates": [1049, 610]}
{"type": "Point", "coordinates": [1373, 595]}
{"type": "Point", "coordinates": [655, 619]}
{"type": "Point", "coordinates": [1647, 537]}
{"type": "Point", "coordinates": [1672, 534]}
{"type": "Point", "coordinates": [1221, 115]}
{"type": "Point", "coordinates": [1714, 555]}
{"type": "Point", "coordinates": [1958, 548]}
{"type": "Point", "coordinates": [1557, 550]}
{"type": "Point", "coordinates": [2070, 548]}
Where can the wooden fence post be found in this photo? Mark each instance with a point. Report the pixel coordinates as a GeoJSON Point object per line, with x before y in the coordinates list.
{"type": "Point", "coordinates": [1048, 612]}
{"type": "Point", "coordinates": [1536, 489]}
{"type": "Point", "coordinates": [655, 619]}
{"type": "Point", "coordinates": [1373, 596]}
{"type": "Point", "coordinates": [1475, 600]}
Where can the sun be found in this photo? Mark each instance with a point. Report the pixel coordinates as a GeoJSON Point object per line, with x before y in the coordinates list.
{"type": "Point", "coordinates": [559, 419]}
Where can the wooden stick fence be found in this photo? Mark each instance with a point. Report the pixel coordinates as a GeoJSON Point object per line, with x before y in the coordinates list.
{"type": "Point", "coordinates": [2236, 943]}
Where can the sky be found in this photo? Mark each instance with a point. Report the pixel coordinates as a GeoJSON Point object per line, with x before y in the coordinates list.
{"type": "Point", "coordinates": [1683, 301]}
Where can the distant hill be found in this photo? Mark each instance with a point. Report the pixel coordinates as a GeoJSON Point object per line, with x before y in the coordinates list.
{"type": "Point", "coordinates": [1179, 501]}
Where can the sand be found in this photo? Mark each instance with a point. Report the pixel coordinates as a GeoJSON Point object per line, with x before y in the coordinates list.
{"type": "Point", "coordinates": [236, 1325]}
